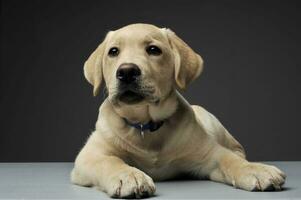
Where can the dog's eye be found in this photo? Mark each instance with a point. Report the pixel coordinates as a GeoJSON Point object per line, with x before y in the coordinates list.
{"type": "Point", "coordinates": [153, 50]}
{"type": "Point", "coordinates": [114, 51]}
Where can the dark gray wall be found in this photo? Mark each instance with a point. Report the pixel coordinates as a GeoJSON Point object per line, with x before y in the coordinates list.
{"type": "Point", "coordinates": [251, 80]}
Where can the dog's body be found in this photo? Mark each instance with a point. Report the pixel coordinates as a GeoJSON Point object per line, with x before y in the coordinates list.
{"type": "Point", "coordinates": [141, 64]}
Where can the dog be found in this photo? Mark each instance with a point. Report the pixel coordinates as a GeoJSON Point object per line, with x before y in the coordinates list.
{"type": "Point", "coordinates": [146, 131]}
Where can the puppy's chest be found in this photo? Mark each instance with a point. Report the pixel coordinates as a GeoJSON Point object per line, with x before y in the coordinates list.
{"type": "Point", "coordinates": [155, 165]}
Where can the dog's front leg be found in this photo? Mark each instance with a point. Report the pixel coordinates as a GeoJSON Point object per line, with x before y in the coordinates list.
{"type": "Point", "coordinates": [110, 174]}
{"type": "Point", "coordinates": [228, 167]}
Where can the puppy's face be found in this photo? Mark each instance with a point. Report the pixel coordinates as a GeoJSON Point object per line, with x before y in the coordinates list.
{"type": "Point", "coordinates": [137, 65]}
{"type": "Point", "coordinates": [141, 63]}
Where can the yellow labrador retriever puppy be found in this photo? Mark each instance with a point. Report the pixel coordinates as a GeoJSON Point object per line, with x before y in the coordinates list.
{"type": "Point", "coordinates": [147, 131]}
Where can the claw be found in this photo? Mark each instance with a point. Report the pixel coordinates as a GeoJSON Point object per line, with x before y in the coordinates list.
{"type": "Point", "coordinates": [233, 183]}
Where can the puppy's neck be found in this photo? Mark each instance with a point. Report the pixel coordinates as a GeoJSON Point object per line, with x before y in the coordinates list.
{"type": "Point", "coordinates": [146, 112]}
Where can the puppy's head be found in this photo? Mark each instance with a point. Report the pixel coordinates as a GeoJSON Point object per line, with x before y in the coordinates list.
{"type": "Point", "coordinates": [142, 63]}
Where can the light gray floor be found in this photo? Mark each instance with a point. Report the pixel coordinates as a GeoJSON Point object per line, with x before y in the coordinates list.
{"type": "Point", "coordinates": [51, 181]}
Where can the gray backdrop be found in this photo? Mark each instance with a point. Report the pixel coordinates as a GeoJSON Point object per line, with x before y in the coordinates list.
{"type": "Point", "coordinates": [251, 79]}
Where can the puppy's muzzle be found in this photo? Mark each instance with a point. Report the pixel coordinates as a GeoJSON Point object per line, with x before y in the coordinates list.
{"type": "Point", "coordinates": [129, 90]}
{"type": "Point", "coordinates": [128, 73]}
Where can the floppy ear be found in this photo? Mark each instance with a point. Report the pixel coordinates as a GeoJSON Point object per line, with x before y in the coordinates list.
{"type": "Point", "coordinates": [93, 68]}
{"type": "Point", "coordinates": [188, 64]}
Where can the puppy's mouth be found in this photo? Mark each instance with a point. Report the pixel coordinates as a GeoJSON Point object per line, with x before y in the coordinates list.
{"type": "Point", "coordinates": [133, 94]}
{"type": "Point", "coordinates": [131, 97]}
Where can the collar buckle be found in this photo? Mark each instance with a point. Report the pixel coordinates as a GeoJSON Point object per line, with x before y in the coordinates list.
{"type": "Point", "coordinates": [151, 126]}
{"type": "Point", "coordinates": [141, 130]}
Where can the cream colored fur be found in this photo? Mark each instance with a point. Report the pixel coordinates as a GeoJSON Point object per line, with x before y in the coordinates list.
{"type": "Point", "coordinates": [120, 162]}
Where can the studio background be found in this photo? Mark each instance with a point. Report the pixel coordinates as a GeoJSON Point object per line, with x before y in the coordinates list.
{"type": "Point", "coordinates": [251, 80]}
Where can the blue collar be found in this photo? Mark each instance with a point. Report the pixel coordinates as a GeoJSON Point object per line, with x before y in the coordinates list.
{"type": "Point", "coordinates": [151, 126]}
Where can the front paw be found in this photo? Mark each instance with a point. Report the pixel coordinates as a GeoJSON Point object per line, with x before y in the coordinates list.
{"type": "Point", "coordinates": [130, 183]}
{"type": "Point", "coordinates": [258, 177]}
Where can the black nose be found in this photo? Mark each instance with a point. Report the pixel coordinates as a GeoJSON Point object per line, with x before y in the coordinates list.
{"type": "Point", "coordinates": [128, 73]}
